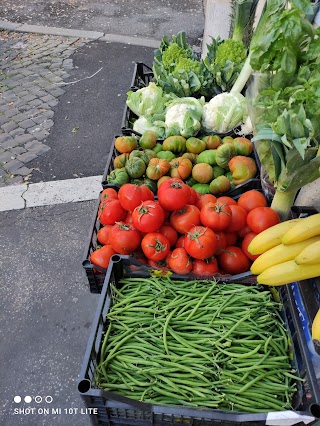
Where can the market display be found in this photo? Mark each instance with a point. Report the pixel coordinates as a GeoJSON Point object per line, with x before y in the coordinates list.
{"type": "Point", "coordinates": [198, 308]}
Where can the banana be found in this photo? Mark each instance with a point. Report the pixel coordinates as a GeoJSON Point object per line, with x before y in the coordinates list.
{"type": "Point", "coordinates": [310, 254]}
{"type": "Point", "coordinates": [315, 329]}
{"type": "Point", "coordinates": [287, 272]}
{"type": "Point", "coordinates": [271, 237]}
{"type": "Point", "coordinates": [280, 254]}
{"type": "Point", "coordinates": [308, 227]}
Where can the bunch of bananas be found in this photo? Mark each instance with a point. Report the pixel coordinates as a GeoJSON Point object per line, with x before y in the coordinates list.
{"type": "Point", "coordinates": [289, 251]}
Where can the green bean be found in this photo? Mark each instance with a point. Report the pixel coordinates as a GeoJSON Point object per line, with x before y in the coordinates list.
{"type": "Point", "coordinates": [164, 334]}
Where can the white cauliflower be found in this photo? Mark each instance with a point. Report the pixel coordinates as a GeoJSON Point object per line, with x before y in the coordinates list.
{"type": "Point", "coordinates": [224, 112]}
{"type": "Point", "coordinates": [183, 117]}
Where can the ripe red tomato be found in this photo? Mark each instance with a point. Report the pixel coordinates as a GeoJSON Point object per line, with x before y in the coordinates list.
{"type": "Point", "coordinates": [103, 235]}
{"type": "Point", "coordinates": [180, 262]}
{"type": "Point", "coordinates": [193, 197]}
{"type": "Point", "coordinates": [148, 216]}
{"type": "Point", "coordinates": [131, 196]}
{"type": "Point", "coordinates": [234, 261]}
{"type": "Point", "coordinates": [161, 264]}
{"type": "Point", "coordinates": [216, 216]}
{"type": "Point", "coordinates": [168, 231]}
{"type": "Point", "coordinates": [205, 268]}
{"type": "Point", "coordinates": [221, 242]}
{"type": "Point", "coordinates": [112, 212]}
{"type": "Point", "coordinates": [108, 194]}
{"type": "Point", "coordinates": [155, 246]}
{"type": "Point", "coordinates": [262, 218]}
{"type": "Point", "coordinates": [101, 256]}
{"type": "Point", "coordinates": [252, 199]}
{"type": "Point", "coordinates": [204, 199]}
{"type": "Point", "coordinates": [200, 242]}
{"type": "Point", "coordinates": [243, 232]}
{"type": "Point", "coordinates": [244, 245]}
{"type": "Point", "coordinates": [173, 194]}
{"type": "Point", "coordinates": [227, 200]}
{"type": "Point", "coordinates": [231, 237]}
{"type": "Point", "coordinates": [182, 220]}
{"type": "Point", "coordinates": [124, 238]}
{"type": "Point", "coordinates": [128, 218]}
{"type": "Point", "coordinates": [238, 218]}
{"type": "Point", "coordinates": [180, 242]}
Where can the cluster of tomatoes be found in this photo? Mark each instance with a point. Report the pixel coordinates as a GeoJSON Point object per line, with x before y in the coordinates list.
{"type": "Point", "coordinates": [182, 231]}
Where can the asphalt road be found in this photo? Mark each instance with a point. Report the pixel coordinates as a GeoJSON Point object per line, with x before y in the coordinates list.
{"type": "Point", "coordinates": [150, 18]}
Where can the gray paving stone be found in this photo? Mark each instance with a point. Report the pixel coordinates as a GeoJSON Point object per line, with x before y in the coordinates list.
{"type": "Point", "coordinates": [17, 131]}
{"type": "Point", "coordinates": [26, 123]}
{"type": "Point", "coordinates": [48, 124]}
{"type": "Point", "coordinates": [11, 143]}
{"type": "Point", "coordinates": [2, 172]}
{"type": "Point", "coordinates": [11, 112]}
{"type": "Point", "coordinates": [48, 98]}
{"type": "Point", "coordinates": [15, 180]}
{"type": "Point", "coordinates": [43, 116]}
{"type": "Point", "coordinates": [56, 92]}
{"type": "Point", "coordinates": [4, 137]}
{"type": "Point", "coordinates": [27, 156]}
{"type": "Point", "coordinates": [23, 171]}
{"type": "Point", "coordinates": [53, 103]}
{"type": "Point", "coordinates": [7, 127]}
{"type": "Point", "coordinates": [28, 98]}
{"type": "Point", "coordinates": [35, 103]}
{"type": "Point", "coordinates": [18, 150]}
{"type": "Point", "coordinates": [23, 139]}
{"type": "Point", "coordinates": [20, 117]}
{"type": "Point", "coordinates": [41, 135]}
{"type": "Point", "coordinates": [3, 119]}
{"type": "Point", "coordinates": [5, 157]}
{"type": "Point", "coordinates": [13, 165]}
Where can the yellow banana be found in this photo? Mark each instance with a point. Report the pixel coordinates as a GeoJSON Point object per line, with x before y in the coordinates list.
{"type": "Point", "coordinates": [308, 227]}
{"type": "Point", "coordinates": [287, 272]}
{"type": "Point", "coordinates": [280, 254]}
{"type": "Point", "coordinates": [315, 329]}
{"type": "Point", "coordinates": [310, 254]}
{"type": "Point", "coordinates": [271, 237]}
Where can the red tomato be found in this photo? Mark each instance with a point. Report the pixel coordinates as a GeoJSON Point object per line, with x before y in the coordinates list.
{"type": "Point", "coordinates": [221, 242]}
{"type": "Point", "coordinates": [216, 216]}
{"type": "Point", "coordinates": [227, 200]}
{"type": "Point", "coordinates": [173, 194]}
{"type": "Point", "coordinates": [155, 246]}
{"type": "Point", "coordinates": [101, 256]}
{"type": "Point", "coordinates": [103, 234]}
{"type": "Point", "coordinates": [180, 242]}
{"type": "Point", "coordinates": [244, 245]}
{"type": "Point", "coordinates": [168, 231]}
{"type": "Point", "coordinates": [161, 264]}
{"type": "Point", "coordinates": [234, 261]}
{"type": "Point", "coordinates": [231, 237]}
{"type": "Point", "coordinates": [262, 218]}
{"type": "Point", "coordinates": [252, 199]}
{"type": "Point", "coordinates": [108, 194]}
{"type": "Point", "coordinates": [243, 232]}
{"type": "Point", "coordinates": [200, 242]}
{"type": "Point", "coordinates": [124, 238]}
{"type": "Point", "coordinates": [131, 196]}
{"type": "Point", "coordinates": [193, 197]}
{"type": "Point", "coordinates": [180, 262]}
{"type": "Point", "coordinates": [148, 216]}
{"type": "Point", "coordinates": [204, 199]}
{"type": "Point", "coordinates": [205, 268]}
{"type": "Point", "coordinates": [112, 212]}
{"type": "Point", "coordinates": [128, 218]}
{"type": "Point", "coordinates": [182, 220]}
{"type": "Point", "coordinates": [238, 218]}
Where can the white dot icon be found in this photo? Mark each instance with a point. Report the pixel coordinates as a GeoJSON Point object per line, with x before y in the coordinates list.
{"type": "Point", "coordinates": [27, 399]}
{"type": "Point", "coordinates": [17, 399]}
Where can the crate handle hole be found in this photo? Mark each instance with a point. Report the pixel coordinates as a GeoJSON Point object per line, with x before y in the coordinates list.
{"type": "Point", "coordinates": [315, 410]}
{"type": "Point", "coordinates": [115, 258]}
{"type": "Point", "coordinates": [84, 386]}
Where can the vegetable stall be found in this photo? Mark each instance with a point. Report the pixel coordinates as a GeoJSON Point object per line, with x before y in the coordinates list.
{"type": "Point", "coordinates": [202, 262]}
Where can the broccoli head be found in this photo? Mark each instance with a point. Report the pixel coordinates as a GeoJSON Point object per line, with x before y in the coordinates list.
{"type": "Point", "coordinates": [187, 65]}
{"type": "Point", "coordinates": [231, 50]}
{"type": "Point", "coordinates": [172, 55]}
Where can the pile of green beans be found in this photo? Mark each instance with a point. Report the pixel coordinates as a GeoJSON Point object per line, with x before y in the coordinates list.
{"type": "Point", "coordinates": [197, 344]}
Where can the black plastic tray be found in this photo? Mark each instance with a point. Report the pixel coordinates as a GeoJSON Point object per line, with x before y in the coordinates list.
{"type": "Point", "coordinates": [113, 409]}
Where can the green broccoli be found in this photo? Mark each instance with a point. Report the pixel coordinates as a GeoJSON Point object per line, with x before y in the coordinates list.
{"type": "Point", "coordinates": [187, 65]}
{"type": "Point", "coordinates": [172, 54]}
{"type": "Point", "coordinates": [230, 50]}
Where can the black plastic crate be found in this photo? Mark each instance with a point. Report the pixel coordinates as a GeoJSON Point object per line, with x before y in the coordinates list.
{"type": "Point", "coordinates": [113, 409]}
{"type": "Point", "coordinates": [142, 76]}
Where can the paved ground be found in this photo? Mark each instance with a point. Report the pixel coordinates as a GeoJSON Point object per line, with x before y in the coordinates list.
{"type": "Point", "coordinates": [150, 18]}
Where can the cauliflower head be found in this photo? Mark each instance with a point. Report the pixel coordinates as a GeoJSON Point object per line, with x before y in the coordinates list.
{"type": "Point", "coordinates": [224, 112]}
{"type": "Point", "coordinates": [183, 117]}
{"type": "Point", "coordinates": [187, 65]}
{"type": "Point", "coordinates": [172, 54]}
{"type": "Point", "coordinates": [146, 101]}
